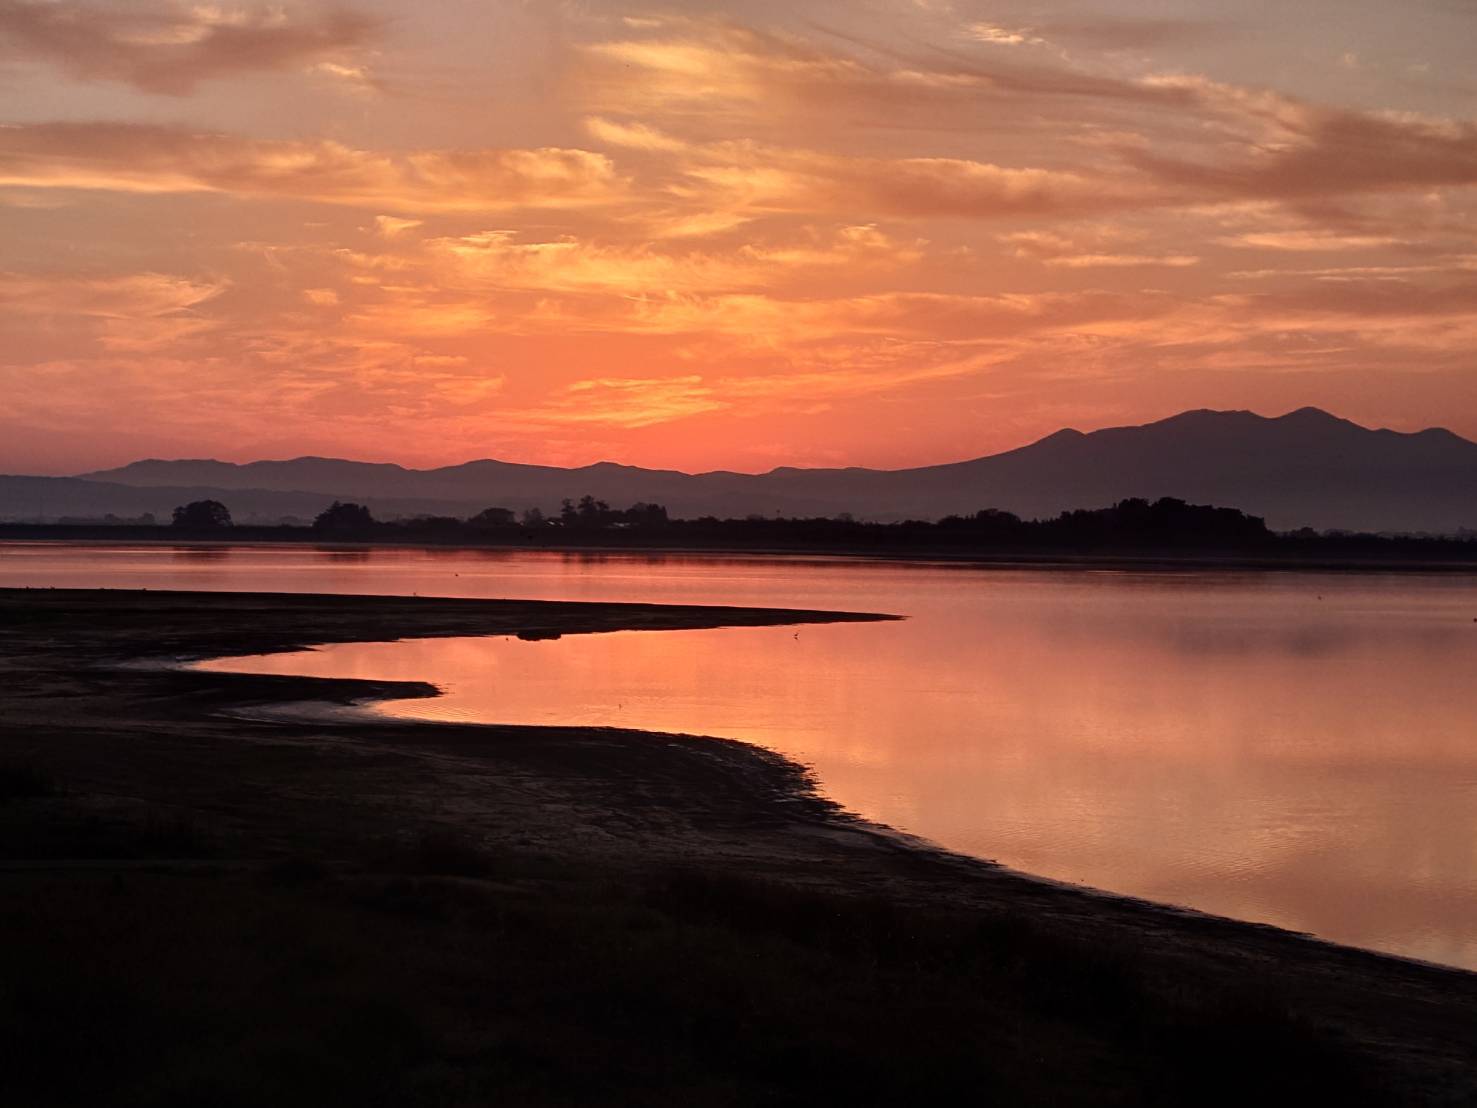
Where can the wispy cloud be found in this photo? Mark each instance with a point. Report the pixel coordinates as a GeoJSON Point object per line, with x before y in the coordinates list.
{"type": "Point", "coordinates": [624, 402]}
{"type": "Point", "coordinates": [141, 158]}
{"type": "Point", "coordinates": [1090, 248]}
{"type": "Point", "coordinates": [497, 259]}
{"type": "Point", "coordinates": [135, 311]}
{"type": "Point", "coordinates": [172, 48]}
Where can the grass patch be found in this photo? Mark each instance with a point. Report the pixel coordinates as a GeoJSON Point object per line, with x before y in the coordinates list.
{"type": "Point", "coordinates": [444, 852]}
{"type": "Point", "coordinates": [579, 989]}
{"type": "Point", "coordinates": [21, 780]}
{"type": "Point", "coordinates": [73, 830]}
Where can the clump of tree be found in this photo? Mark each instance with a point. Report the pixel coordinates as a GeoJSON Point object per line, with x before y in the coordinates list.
{"type": "Point", "coordinates": [493, 519]}
{"type": "Point", "coordinates": [1129, 525]}
{"type": "Point", "coordinates": [433, 528]}
{"type": "Point", "coordinates": [345, 521]}
{"type": "Point", "coordinates": [1165, 522]}
{"type": "Point", "coordinates": [591, 515]}
{"type": "Point", "coordinates": [646, 515]}
{"type": "Point", "coordinates": [202, 515]}
{"type": "Point", "coordinates": [1136, 522]}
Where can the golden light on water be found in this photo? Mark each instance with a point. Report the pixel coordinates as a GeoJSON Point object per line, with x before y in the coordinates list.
{"type": "Point", "coordinates": [1294, 749]}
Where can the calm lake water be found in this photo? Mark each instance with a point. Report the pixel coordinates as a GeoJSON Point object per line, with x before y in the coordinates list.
{"type": "Point", "coordinates": [1294, 748]}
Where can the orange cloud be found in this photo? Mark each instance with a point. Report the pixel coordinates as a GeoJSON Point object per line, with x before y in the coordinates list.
{"type": "Point", "coordinates": [173, 50]}
{"type": "Point", "coordinates": [741, 178]}
{"type": "Point", "coordinates": [1323, 152]}
{"type": "Point", "coordinates": [1305, 239]}
{"type": "Point", "coordinates": [624, 402]}
{"type": "Point", "coordinates": [152, 159]}
{"type": "Point", "coordinates": [1094, 248]}
{"type": "Point", "coordinates": [942, 317]}
{"type": "Point", "coordinates": [140, 311]}
{"type": "Point", "coordinates": [768, 179]}
{"type": "Point", "coordinates": [683, 66]}
{"type": "Point", "coordinates": [1156, 140]}
{"type": "Point", "coordinates": [391, 226]}
{"type": "Point", "coordinates": [1123, 261]}
{"type": "Point", "coordinates": [118, 297]}
{"type": "Point", "coordinates": [496, 259]}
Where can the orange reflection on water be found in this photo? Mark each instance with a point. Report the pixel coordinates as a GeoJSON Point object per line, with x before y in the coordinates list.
{"type": "Point", "coordinates": [1289, 748]}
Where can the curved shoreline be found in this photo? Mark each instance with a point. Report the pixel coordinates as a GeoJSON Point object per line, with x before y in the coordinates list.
{"type": "Point", "coordinates": [360, 711]}
{"type": "Point", "coordinates": [348, 709]}
{"type": "Point", "coordinates": [621, 801]}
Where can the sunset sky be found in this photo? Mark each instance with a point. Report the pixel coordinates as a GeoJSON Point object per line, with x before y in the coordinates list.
{"type": "Point", "coordinates": [736, 235]}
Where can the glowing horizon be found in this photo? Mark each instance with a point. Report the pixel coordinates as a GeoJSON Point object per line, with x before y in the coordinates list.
{"type": "Point", "coordinates": [456, 462]}
{"type": "Point", "coordinates": [705, 236]}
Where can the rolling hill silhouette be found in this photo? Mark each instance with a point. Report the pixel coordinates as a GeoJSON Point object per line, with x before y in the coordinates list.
{"type": "Point", "coordinates": [1306, 468]}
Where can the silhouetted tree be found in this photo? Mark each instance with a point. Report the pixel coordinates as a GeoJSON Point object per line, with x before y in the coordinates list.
{"type": "Point", "coordinates": [432, 527]}
{"type": "Point", "coordinates": [202, 515]}
{"type": "Point", "coordinates": [588, 514]}
{"type": "Point", "coordinates": [493, 517]}
{"type": "Point", "coordinates": [645, 515]}
{"type": "Point", "coordinates": [1166, 522]}
{"type": "Point", "coordinates": [592, 512]}
{"type": "Point", "coordinates": [533, 517]}
{"type": "Point", "coordinates": [344, 520]}
{"type": "Point", "coordinates": [988, 524]}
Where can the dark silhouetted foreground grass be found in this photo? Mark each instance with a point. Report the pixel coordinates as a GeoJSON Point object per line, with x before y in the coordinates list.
{"type": "Point", "coordinates": [25, 781]}
{"type": "Point", "coordinates": [538, 985]}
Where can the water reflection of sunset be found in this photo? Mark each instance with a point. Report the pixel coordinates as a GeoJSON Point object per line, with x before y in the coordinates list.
{"type": "Point", "coordinates": [1232, 742]}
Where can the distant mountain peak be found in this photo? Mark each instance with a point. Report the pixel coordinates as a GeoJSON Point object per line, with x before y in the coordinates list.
{"type": "Point", "coordinates": [1066, 434]}
{"type": "Point", "coordinates": [1207, 415]}
{"type": "Point", "coordinates": [1316, 417]}
{"type": "Point", "coordinates": [143, 463]}
{"type": "Point", "coordinates": [1304, 467]}
{"type": "Point", "coordinates": [1230, 420]}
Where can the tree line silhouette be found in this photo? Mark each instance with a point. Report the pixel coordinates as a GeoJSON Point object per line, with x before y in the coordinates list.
{"type": "Point", "coordinates": [1134, 524]}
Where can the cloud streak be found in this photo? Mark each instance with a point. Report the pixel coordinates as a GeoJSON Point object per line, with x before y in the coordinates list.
{"type": "Point", "coordinates": [141, 158]}
{"type": "Point", "coordinates": [172, 49]}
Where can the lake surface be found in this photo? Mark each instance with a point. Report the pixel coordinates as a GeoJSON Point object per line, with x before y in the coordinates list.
{"type": "Point", "coordinates": [1295, 748]}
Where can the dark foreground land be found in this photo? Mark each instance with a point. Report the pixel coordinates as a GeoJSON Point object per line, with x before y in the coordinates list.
{"type": "Point", "coordinates": [203, 904]}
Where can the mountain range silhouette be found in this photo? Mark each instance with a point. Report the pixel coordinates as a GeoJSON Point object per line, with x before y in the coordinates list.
{"type": "Point", "coordinates": [1305, 468]}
